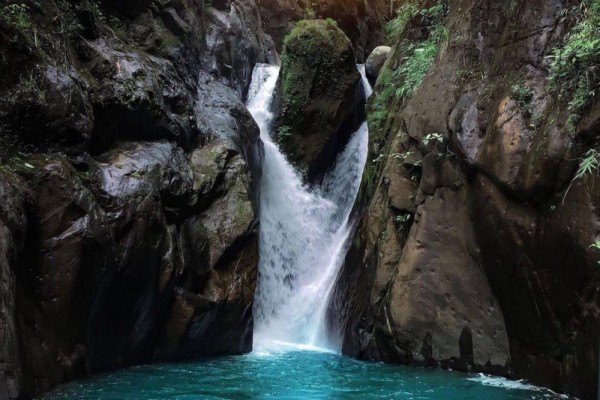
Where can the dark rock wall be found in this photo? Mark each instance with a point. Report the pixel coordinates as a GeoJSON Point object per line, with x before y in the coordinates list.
{"type": "Point", "coordinates": [130, 166]}
{"type": "Point", "coordinates": [473, 249]}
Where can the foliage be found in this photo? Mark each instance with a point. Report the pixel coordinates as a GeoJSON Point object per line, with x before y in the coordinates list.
{"type": "Point", "coordinates": [376, 118]}
{"type": "Point", "coordinates": [331, 21]}
{"type": "Point", "coordinates": [402, 218]}
{"type": "Point", "coordinates": [588, 164]}
{"type": "Point", "coordinates": [15, 16]}
{"type": "Point", "coordinates": [432, 138]}
{"type": "Point", "coordinates": [398, 25]}
{"type": "Point", "coordinates": [283, 132]}
{"type": "Point", "coordinates": [402, 81]}
{"type": "Point", "coordinates": [522, 95]}
{"type": "Point", "coordinates": [575, 65]}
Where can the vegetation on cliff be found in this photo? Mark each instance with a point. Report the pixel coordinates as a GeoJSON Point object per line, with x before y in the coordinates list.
{"type": "Point", "coordinates": [418, 34]}
{"type": "Point", "coordinates": [575, 65]}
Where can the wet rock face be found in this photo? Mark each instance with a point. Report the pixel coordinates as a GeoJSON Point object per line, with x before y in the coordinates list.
{"type": "Point", "coordinates": [235, 42]}
{"type": "Point", "coordinates": [318, 91]}
{"type": "Point", "coordinates": [145, 226]}
{"type": "Point", "coordinates": [474, 252]}
{"type": "Point", "coordinates": [128, 221]}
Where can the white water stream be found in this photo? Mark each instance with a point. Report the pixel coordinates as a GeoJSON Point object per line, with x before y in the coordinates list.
{"type": "Point", "coordinates": [303, 233]}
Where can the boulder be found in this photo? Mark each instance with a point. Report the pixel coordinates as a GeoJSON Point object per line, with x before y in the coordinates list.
{"type": "Point", "coordinates": [375, 61]}
{"type": "Point", "coordinates": [318, 91]}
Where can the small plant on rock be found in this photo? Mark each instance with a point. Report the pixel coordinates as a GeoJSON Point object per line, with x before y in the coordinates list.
{"type": "Point", "coordinates": [523, 96]}
{"type": "Point", "coordinates": [402, 218]}
{"type": "Point", "coordinates": [403, 16]}
{"type": "Point", "coordinates": [432, 138]}
{"type": "Point", "coordinates": [588, 164]}
{"type": "Point", "coordinates": [398, 83]}
{"type": "Point", "coordinates": [596, 246]}
{"type": "Point", "coordinates": [284, 133]}
{"type": "Point", "coordinates": [15, 16]}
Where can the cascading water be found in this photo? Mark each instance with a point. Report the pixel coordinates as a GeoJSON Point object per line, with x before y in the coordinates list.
{"type": "Point", "coordinates": [303, 232]}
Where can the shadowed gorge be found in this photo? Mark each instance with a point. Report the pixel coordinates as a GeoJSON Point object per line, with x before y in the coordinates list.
{"type": "Point", "coordinates": [299, 199]}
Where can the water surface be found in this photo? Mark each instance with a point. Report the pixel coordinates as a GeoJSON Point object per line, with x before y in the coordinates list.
{"type": "Point", "coordinates": [296, 375]}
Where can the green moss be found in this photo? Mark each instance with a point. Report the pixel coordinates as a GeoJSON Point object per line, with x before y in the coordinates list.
{"type": "Point", "coordinates": [574, 70]}
{"type": "Point", "coordinates": [243, 210]}
{"type": "Point", "coordinates": [331, 21]}
{"type": "Point", "coordinates": [318, 71]}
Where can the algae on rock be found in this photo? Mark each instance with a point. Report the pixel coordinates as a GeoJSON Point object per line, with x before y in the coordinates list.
{"type": "Point", "coordinates": [318, 91]}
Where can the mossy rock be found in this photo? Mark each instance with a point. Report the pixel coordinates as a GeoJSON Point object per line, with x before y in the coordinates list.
{"type": "Point", "coordinates": [318, 90]}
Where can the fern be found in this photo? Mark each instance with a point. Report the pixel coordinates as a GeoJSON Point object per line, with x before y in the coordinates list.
{"type": "Point", "coordinates": [574, 66]}
{"type": "Point", "coordinates": [588, 165]}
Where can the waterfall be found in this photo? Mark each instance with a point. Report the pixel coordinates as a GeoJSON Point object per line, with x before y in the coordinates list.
{"type": "Point", "coordinates": [303, 232]}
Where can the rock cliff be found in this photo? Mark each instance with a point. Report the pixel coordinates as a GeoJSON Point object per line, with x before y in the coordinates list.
{"type": "Point", "coordinates": [128, 185]}
{"type": "Point", "coordinates": [476, 249]}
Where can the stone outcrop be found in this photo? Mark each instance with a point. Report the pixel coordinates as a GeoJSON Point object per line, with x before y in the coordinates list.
{"type": "Point", "coordinates": [474, 247]}
{"type": "Point", "coordinates": [318, 92]}
{"type": "Point", "coordinates": [128, 186]}
{"type": "Point", "coordinates": [375, 61]}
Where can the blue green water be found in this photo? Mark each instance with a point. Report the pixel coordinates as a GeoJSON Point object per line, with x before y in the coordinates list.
{"type": "Point", "coordinates": [292, 375]}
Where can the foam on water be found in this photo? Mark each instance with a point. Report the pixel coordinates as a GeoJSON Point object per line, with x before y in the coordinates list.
{"type": "Point", "coordinates": [504, 383]}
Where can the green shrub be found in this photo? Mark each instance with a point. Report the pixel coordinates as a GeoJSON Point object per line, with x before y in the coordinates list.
{"type": "Point", "coordinates": [575, 65]}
